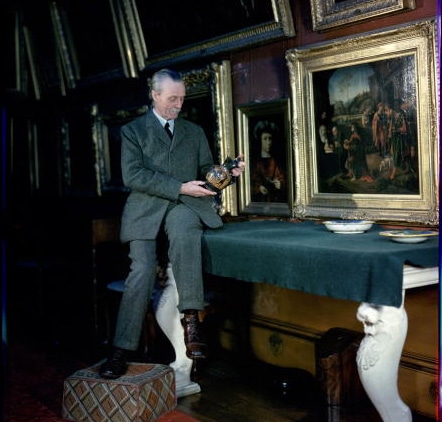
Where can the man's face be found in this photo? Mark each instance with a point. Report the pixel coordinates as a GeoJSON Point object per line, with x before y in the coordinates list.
{"type": "Point", "coordinates": [169, 101]}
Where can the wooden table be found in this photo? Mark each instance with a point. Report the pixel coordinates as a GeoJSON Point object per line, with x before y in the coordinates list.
{"type": "Point", "coordinates": [364, 267]}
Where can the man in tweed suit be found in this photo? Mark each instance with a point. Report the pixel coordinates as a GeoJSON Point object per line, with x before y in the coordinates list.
{"type": "Point", "coordinates": [164, 172]}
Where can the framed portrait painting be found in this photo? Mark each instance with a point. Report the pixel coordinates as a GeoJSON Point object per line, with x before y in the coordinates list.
{"type": "Point", "coordinates": [366, 138]}
{"type": "Point", "coordinates": [264, 138]}
{"type": "Point", "coordinates": [209, 104]}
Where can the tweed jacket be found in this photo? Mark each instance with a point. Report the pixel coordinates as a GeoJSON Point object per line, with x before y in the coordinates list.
{"type": "Point", "coordinates": [154, 167]}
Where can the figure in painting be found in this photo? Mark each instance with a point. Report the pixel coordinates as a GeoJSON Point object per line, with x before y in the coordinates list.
{"type": "Point", "coordinates": [409, 136]}
{"type": "Point", "coordinates": [356, 164]}
{"type": "Point", "coordinates": [268, 174]}
{"type": "Point", "coordinates": [338, 145]}
{"type": "Point", "coordinates": [330, 152]}
{"type": "Point", "coordinates": [402, 139]}
{"type": "Point", "coordinates": [380, 128]}
{"type": "Point", "coordinates": [333, 153]}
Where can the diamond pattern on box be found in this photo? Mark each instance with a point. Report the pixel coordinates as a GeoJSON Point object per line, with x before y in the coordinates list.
{"type": "Point", "coordinates": [143, 394]}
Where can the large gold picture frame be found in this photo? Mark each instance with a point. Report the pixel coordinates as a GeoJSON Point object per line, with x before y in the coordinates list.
{"type": "Point", "coordinates": [266, 187]}
{"type": "Point", "coordinates": [347, 84]}
{"type": "Point", "coordinates": [209, 104]}
{"type": "Point", "coordinates": [328, 14]}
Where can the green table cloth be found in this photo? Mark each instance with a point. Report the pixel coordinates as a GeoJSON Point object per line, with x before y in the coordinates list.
{"type": "Point", "coordinates": [305, 256]}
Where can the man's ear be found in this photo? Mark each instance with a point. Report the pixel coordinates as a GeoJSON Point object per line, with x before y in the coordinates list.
{"type": "Point", "coordinates": [154, 95]}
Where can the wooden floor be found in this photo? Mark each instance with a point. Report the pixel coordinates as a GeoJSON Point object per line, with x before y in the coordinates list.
{"type": "Point", "coordinates": [235, 388]}
{"type": "Point", "coordinates": [258, 393]}
{"type": "Point", "coordinates": [232, 391]}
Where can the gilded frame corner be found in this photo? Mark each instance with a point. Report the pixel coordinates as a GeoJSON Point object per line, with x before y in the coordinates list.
{"type": "Point", "coordinates": [130, 36]}
{"type": "Point", "coordinates": [330, 14]}
{"type": "Point", "coordinates": [388, 50]}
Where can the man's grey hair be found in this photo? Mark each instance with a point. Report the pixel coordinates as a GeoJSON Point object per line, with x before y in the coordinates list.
{"type": "Point", "coordinates": [156, 82]}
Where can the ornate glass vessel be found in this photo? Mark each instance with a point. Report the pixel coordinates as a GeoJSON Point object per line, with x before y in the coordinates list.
{"type": "Point", "coordinates": [220, 176]}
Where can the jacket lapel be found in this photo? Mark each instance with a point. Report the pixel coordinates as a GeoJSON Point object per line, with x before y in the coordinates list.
{"type": "Point", "coordinates": [178, 134]}
{"type": "Point", "coordinates": [157, 129]}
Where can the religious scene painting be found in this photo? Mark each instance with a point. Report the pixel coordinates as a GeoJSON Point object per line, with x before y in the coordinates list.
{"type": "Point", "coordinates": [366, 128]}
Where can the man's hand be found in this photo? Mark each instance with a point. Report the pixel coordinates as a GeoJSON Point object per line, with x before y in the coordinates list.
{"type": "Point", "coordinates": [277, 183]}
{"type": "Point", "coordinates": [241, 166]}
{"type": "Point", "coordinates": [263, 190]}
{"type": "Point", "coordinates": [195, 188]}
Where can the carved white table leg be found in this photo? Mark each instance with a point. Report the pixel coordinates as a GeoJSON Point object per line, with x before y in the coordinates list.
{"type": "Point", "coordinates": [378, 359]}
{"type": "Point", "coordinates": [380, 352]}
{"type": "Point", "coordinates": [169, 319]}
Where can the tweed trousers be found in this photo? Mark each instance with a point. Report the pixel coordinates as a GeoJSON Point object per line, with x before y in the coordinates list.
{"type": "Point", "coordinates": [183, 229]}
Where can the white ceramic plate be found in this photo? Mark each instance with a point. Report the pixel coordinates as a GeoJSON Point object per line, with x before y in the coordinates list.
{"type": "Point", "coordinates": [348, 226]}
{"type": "Point", "coordinates": [409, 236]}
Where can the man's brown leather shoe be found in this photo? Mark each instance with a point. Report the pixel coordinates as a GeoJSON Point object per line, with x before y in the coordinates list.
{"type": "Point", "coordinates": [115, 365]}
{"type": "Point", "coordinates": [195, 347]}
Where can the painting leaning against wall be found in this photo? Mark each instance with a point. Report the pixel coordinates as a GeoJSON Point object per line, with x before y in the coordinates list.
{"type": "Point", "coordinates": [264, 137]}
{"type": "Point", "coordinates": [364, 123]}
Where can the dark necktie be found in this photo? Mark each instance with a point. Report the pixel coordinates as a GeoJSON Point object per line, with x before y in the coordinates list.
{"type": "Point", "coordinates": [168, 131]}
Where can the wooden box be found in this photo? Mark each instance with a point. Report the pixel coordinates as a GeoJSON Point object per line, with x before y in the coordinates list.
{"type": "Point", "coordinates": [143, 394]}
{"type": "Point", "coordinates": [336, 367]}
